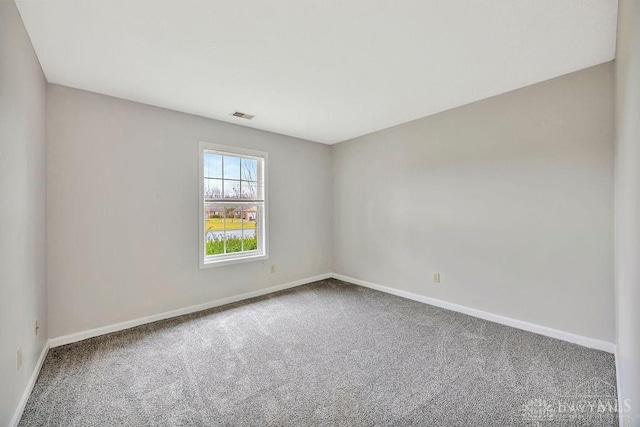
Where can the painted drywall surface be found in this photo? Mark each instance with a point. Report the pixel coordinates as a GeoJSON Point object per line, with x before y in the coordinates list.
{"type": "Point", "coordinates": [22, 208]}
{"type": "Point", "coordinates": [123, 211]}
{"type": "Point", "coordinates": [627, 164]}
{"type": "Point", "coordinates": [510, 199]}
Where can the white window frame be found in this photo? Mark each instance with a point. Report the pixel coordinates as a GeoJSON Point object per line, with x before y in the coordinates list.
{"type": "Point", "coordinates": [262, 253]}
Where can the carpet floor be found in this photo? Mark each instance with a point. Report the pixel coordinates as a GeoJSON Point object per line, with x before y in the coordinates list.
{"type": "Point", "coordinates": [327, 353]}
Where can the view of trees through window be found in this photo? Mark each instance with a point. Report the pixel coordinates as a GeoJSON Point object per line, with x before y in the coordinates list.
{"type": "Point", "coordinates": [233, 203]}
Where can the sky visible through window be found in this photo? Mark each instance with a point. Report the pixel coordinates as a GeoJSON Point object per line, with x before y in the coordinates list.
{"type": "Point", "coordinates": [229, 177]}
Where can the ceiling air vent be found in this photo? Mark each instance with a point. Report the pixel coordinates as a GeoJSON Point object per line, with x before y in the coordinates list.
{"type": "Point", "coordinates": [242, 115]}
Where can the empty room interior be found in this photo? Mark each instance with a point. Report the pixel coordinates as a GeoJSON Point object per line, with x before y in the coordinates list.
{"type": "Point", "coordinates": [329, 213]}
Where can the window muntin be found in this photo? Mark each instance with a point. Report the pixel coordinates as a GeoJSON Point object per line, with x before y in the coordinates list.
{"type": "Point", "coordinates": [233, 205]}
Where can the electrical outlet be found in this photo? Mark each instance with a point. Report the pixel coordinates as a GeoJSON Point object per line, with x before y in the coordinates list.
{"type": "Point", "coordinates": [273, 268]}
{"type": "Point", "coordinates": [19, 359]}
{"type": "Point", "coordinates": [36, 327]}
{"type": "Point", "coordinates": [436, 277]}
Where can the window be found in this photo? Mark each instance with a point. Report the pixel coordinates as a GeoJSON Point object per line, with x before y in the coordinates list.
{"type": "Point", "coordinates": [233, 209]}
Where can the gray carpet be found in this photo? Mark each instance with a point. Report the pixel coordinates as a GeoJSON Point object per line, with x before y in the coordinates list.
{"type": "Point", "coordinates": [327, 353]}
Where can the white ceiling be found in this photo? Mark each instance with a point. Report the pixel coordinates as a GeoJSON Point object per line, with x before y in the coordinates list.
{"type": "Point", "coordinates": [323, 70]}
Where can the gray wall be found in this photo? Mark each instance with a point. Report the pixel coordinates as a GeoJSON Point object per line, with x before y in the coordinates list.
{"type": "Point", "coordinates": [22, 208]}
{"type": "Point", "coordinates": [123, 211]}
{"type": "Point", "coordinates": [627, 161]}
{"type": "Point", "coordinates": [509, 198]}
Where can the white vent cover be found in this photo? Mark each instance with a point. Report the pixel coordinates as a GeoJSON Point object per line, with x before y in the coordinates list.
{"type": "Point", "coordinates": [242, 115]}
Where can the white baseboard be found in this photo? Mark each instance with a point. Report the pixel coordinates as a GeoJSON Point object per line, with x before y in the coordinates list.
{"type": "Point", "coordinates": [520, 324]}
{"type": "Point", "coordinates": [530, 327]}
{"type": "Point", "coordinates": [79, 336]}
{"type": "Point", "coordinates": [27, 390]}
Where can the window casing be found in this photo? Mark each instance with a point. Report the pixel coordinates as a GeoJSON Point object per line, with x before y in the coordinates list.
{"type": "Point", "coordinates": [233, 205]}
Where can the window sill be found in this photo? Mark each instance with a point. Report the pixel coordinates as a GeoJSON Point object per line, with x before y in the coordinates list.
{"type": "Point", "coordinates": [209, 262]}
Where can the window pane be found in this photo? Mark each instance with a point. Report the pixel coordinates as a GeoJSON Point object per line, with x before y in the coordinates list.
{"type": "Point", "coordinates": [212, 189]}
{"type": "Point", "coordinates": [233, 227]}
{"type": "Point", "coordinates": [249, 170]}
{"type": "Point", "coordinates": [214, 229]}
{"type": "Point", "coordinates": [231, 189]}
{"type": "Point", "coordinates": [231, 167]}
{"type": "Point", "coordinates": [249, 189]}
{"type": "Point", "coordinates": [212, 165]}
{"type": "Point", "coordinates": [250, 228]}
